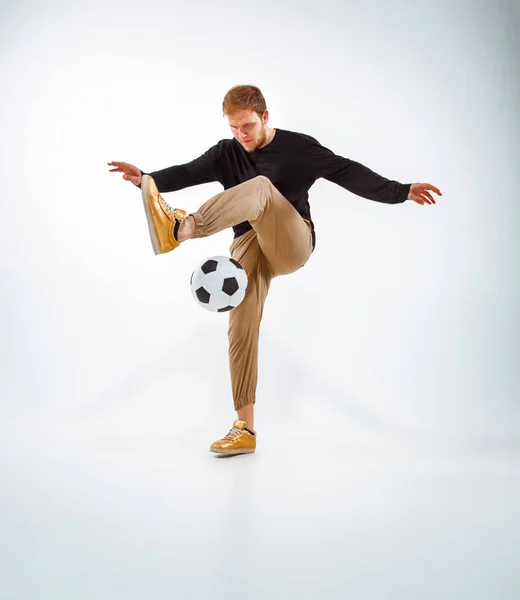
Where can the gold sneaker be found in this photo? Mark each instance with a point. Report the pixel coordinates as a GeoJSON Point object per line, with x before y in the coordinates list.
{"type": "Point", "coordinates": [163, 220]}
{"type": "Point", "coordinates": [238, 441]}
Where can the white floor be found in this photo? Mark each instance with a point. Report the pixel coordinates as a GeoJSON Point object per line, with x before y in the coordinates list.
{"type": "Point", "coordinates": [109, 512]}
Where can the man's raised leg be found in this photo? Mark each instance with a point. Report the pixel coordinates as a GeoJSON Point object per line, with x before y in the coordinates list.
{"type": "Point", "coordinates": [284, 237]}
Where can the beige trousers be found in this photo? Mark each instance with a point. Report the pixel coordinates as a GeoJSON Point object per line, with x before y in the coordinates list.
{"type": "Point", "coordinates": [279, 243]}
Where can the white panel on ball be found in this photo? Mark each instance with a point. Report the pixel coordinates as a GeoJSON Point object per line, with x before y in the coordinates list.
{"type": "Point", "coordinates": [212, 282]}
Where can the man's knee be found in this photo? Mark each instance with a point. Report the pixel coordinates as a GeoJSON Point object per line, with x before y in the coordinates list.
{"type": "Point", "coordinates": [262, 180]}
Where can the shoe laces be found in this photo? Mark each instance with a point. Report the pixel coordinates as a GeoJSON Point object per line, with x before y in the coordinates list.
{"type": "Point", "coordinates": [233, 433]}
{"type": "Point", "coordinates": [167, 208]}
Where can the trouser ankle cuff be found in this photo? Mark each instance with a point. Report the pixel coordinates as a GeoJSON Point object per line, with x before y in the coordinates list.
{"type": "Point", "coordinates": [243, 402]}
{"type": "Point", "coordinates": [199, 225]}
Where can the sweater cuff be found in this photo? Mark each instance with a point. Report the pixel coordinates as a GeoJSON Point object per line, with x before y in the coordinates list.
{"type": "Point", "coordinates": [403, 196]}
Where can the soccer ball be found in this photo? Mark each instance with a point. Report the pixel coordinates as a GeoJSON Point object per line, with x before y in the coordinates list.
{"type": "Point", "coordinates": [219, 283]}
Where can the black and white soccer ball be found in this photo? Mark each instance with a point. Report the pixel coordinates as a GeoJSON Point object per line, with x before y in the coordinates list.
{"type": "Point", "coordinates": [219, 283]}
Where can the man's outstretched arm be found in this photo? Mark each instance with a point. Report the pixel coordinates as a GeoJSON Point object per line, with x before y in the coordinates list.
{"type": "Point", "coordinates": [203, 169]}
{"type": "Point", "coordinates": [362, 181]}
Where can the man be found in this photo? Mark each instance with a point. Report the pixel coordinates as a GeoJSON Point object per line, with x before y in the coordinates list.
{"type": "Point", "coordinates": [266, 174]}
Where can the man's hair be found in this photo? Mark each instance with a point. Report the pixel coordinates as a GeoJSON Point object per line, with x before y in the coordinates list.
{"type": "Point", "coordinates": [243, 97]}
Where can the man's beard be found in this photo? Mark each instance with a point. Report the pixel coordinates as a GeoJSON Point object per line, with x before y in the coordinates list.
{"type": "Point", "coordinates": [261, 140]}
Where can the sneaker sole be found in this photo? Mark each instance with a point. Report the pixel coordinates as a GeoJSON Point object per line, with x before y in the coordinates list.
{"type": "Point", "coordinates": [148, 211]}
{"type": "Point", "coordinates": [232, 452]}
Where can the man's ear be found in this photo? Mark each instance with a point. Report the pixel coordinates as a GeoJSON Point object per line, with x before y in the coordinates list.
{"type": "Point", "coordinates": [265, 117]}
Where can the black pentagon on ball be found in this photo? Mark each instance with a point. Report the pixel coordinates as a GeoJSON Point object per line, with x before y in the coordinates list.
{"type": "Point", "coordinates": [191, 279]}
{"type": "Point", "coordinates": [202, 295]}
{"type": "Point", "coordinates": [230, 286]}
{"type": "Point", "coordinates": [237, 265]}
{"type": "Point", "coordinates": [209, 266]}
{"type": "Point", "coordinates": [225, 309]}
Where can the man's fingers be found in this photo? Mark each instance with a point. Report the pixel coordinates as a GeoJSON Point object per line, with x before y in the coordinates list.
{"type": "Point", "coordinates": [422, 196]}
{"type": "Point", "coordinates": [121, 165]}
{"type": "Point", "coordinates": [429, 186]}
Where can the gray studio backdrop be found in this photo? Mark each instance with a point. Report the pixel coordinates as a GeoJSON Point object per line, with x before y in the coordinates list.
{"type": "Point", "coordinates": [406, 312]}
{"type": "Point", "coordinates": [403, 326]}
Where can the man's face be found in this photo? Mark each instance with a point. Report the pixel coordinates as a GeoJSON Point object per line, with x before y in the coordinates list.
{"type": "Point", "coordinates": [248, 128]}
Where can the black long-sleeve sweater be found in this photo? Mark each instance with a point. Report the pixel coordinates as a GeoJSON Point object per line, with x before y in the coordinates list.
{"type": "Point", "coordinates": [292, 161]}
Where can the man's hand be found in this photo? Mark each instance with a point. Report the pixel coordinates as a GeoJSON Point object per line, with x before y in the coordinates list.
{"type": "Point", "coordinates": [418, 193]}
{"type": "Point", "coordinates": [130, 173]}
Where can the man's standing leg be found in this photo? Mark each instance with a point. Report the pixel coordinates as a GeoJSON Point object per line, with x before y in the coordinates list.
{"type": "Point", "coordinates": [244, 325]}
